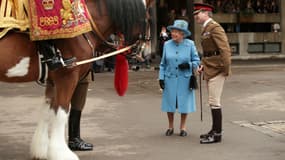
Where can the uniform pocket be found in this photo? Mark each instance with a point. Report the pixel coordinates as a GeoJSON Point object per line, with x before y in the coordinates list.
{"type": "Point", "coordinates": [214, 62]}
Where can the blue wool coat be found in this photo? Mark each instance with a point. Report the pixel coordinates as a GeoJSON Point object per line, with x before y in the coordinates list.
{"type": "Point", "coordinates": [177, 81]}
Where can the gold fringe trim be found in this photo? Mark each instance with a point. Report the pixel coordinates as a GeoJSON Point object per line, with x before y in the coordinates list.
{"type": "Point", "coordinates": [13, 15]}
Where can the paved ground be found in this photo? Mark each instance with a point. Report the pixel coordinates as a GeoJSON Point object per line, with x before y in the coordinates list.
{"type": "Point", "coordinates": [132, 127]}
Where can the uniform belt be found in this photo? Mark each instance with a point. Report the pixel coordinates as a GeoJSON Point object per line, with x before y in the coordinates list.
{"type": "Point", "coordinates": [209, 54]}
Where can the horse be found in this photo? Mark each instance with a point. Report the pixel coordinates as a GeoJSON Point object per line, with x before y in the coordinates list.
{"type": "Point", "coordinates": [19, 62]}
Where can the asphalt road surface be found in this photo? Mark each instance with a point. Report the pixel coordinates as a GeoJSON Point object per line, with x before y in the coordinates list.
{"type": "Point", "coordinates": [132, 127]}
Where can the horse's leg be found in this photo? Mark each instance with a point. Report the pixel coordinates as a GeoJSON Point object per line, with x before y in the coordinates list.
{"type": "Point", "coordinates": [40, 141]}
{"type": "Point", "coordinates": [64, 88]}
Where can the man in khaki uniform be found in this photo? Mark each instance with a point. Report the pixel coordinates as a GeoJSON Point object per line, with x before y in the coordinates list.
{"type": "Point", "coordinates": [216, 62]}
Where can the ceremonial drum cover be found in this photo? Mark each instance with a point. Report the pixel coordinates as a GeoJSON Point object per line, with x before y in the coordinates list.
{"type": "Point", "coordinates": [52, 19]}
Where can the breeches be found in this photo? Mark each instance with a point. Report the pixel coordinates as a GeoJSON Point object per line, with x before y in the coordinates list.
{"type": "Point", "coordinates": [80, 93]}
{"type": "Point", "coordinates": [215, 89]}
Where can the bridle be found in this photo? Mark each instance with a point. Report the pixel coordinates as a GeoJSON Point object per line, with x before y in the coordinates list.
{"type": "Point", "coordinates": [111, 45]}
{"type": "Point", "coordinates": [98, 33]}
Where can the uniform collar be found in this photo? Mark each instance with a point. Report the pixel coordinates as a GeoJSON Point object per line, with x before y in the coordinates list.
{"type": "Point", "coordinates": [206, 22]}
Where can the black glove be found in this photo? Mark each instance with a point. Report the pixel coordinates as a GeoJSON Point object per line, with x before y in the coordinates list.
{"type": "Point", "coordinates": [183, 66]}
{"type": "Point", "coordinates": [161, 84]}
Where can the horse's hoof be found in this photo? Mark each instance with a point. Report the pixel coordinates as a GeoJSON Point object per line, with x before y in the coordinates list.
{"type": "Point", "coordinates": [58, 153]}
{"type": "Point", "coordinates": [60, 156]}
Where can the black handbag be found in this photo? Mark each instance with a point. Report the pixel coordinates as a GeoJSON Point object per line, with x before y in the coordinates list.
{"type": "Point", "coordinates": [193, 84]}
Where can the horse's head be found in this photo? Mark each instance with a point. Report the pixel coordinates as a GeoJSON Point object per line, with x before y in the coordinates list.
{"type": "Point", "coordinates": [128, 17]}
{"type": "Point", "coordinates": [125, 16]}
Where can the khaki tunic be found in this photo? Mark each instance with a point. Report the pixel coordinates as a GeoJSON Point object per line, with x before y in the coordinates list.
{"type": "Point", "coordinates": [215, 39]}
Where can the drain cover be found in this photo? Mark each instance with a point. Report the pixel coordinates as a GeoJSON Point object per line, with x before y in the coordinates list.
{"type": "Point", "coordinates": [271, 128]}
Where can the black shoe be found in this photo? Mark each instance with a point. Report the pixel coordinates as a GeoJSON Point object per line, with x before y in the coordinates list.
{"type": "Point", "coordinates": [206, 134]}
{"type": "Point", "coordinates": [212, 138]}
{"type": "Point", "coordinates": [77, 144]}
{"type": "Point", "coordinates": [58, 62]}
{"type": "Point", "coordinates": [183, 133]}
{"type": "Point", "coordinates": [169, 132]}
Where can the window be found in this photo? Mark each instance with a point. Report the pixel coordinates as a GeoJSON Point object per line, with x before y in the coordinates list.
{"type": "Point", "coordinates": [272, 47]}
{"type": "Point", "coordinates": [266, 47]}
{"type": "Point", "coordinates": [255, 48]}
{"type": "Point", "coordinates": [234, 48]}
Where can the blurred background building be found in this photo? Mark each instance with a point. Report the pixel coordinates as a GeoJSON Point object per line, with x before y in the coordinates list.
{"type": "Point", "coordinates": [254, 27]}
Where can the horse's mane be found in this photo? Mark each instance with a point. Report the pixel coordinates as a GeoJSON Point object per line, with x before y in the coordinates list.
{"type": "Point", "coordinates": [127, 14]}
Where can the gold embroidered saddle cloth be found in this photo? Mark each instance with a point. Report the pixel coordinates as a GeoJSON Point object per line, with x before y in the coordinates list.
{"type": "Point", "coordinates": [46, 19]}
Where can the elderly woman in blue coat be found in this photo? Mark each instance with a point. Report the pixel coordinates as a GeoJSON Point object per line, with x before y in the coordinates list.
{"type": "Point", "coordinates": [179, 58]}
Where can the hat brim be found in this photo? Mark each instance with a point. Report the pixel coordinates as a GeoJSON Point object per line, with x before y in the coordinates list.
{"type": "Point", "coordinates": [186, 32]}
{"type": "Point", "coordinates": [198, 7]}
{"type": "Point", "coordinates": [197, 11]}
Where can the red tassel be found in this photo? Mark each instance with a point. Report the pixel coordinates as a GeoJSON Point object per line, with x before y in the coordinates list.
{"type": "Point", "coordinates": [121, 74]}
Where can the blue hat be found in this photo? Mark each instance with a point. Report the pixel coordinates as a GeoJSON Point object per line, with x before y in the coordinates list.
{"type": "Point", "coordinates": [181, 25]}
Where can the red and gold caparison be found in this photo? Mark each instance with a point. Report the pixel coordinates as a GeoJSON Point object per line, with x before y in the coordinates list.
{"type": "Point", "coordinates": [52, 19]}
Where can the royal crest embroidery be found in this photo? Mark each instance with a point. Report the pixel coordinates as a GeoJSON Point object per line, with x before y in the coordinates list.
{"type": "Point", "coordinates": [48, 4]}
{"type": "Point", "coordinates": [66, 12]}
{"type": "Point", "coordinates": [52, 19]}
